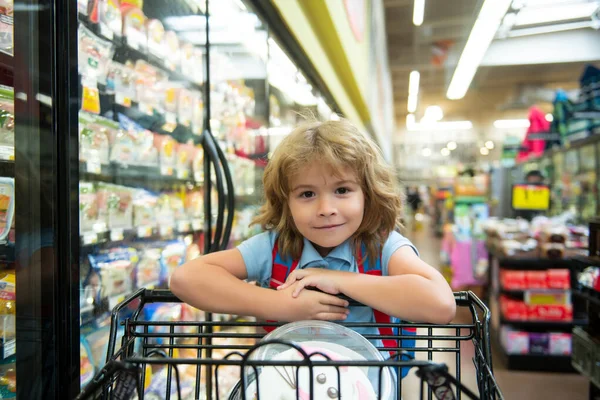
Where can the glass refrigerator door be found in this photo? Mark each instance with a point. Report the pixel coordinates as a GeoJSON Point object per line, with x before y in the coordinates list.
{"type": "Point", "coordinates": [142, 74]}
{"type": "Point", "coordinates": [238, 102]}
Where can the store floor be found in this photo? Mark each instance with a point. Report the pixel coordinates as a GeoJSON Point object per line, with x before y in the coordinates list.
{"type": "Point", "coordinates": [514, 384]}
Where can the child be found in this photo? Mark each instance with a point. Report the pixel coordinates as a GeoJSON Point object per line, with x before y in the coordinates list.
{"type": "Point", "coordinates": [331, 209]}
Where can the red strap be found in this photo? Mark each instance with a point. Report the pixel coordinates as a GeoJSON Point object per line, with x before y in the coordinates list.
{"type": "Point", "coordinates": [279, 274]}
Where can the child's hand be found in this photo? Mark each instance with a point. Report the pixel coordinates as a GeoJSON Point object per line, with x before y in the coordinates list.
{"type": "Point", "coordinates": [312, 305]}
{"type": "Point", "coordinates": [325, 280]}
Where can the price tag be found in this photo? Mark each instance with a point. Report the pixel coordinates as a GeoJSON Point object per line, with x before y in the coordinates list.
{"type": "Point", "coordinates": [10, 348]}
{"type": "Point", "coordinates": [122, 100]}
{"type": "Point", "coordinates": [183, 226]}
{"type": "Point", "coordinates": [116, 235]}
{"type": "Point", "coordinates": [90, 238]}
{"type": "Point", "coordinates": [93, 167]}
{"type": "Point", "coordinates": [531, 197]}
{"type": "Point", "coordinates": [106, 32]}
{"type": "Point", "coordinates": [100, 227]}
{"type": "Point", "coordinates": [144, 231]}
{"type": "Point", "coordinates": [197, 224]}
{"type": "Point", "coordinates": [166, 170]}
{"type": "Point", "coordinates": [165, 231]}
{"type": "Point", "coordinates": [171, 118]}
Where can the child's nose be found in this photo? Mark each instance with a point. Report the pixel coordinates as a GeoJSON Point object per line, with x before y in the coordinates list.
{"type": "Point", "coordinates": [327, 207]}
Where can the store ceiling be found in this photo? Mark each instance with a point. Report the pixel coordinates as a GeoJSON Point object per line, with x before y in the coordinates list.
{"type": "Point", "coordinates": [496, 92]}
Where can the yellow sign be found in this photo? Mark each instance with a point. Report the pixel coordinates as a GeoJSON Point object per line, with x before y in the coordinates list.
{"type": "Point", "coordinates": [530, 197]}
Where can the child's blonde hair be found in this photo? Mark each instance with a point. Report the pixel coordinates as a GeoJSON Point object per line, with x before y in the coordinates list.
{"type": "Point", "coordinates": [339, 144]}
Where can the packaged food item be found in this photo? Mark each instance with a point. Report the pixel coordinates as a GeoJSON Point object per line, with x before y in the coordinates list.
{"type": "Point", "coordinates": [120, 81]}
{"type": "Point", "coordinates": [150, 86]}
{"type": "Point", "coordinates": [198, 114]}
{"type": "Point", "coordinates": [198, 165]}
{"type": "Point", "coordinates": [125, 4]}
{"type": "Point", "coordinates": [94, 55]}
{"type": "Point", "coordinates": [7, 206]}
{"type": "Point", "coordinates": [6, 26]}
{"type": "Point", "coordinates": [115, 268]}
{"type": "Point", "coordinates": [143, 151]}
{"type": "Point", "coordinates": [144, 205]}
{"type": "Point", "coordinates": [90, 98]}
{"type": "Point", "coordinates": [165, 215]}
{"type": "Point", "coordinates": [94, 141]}
{"type": "Point", "coordinates": [185, 107]}
{"type": "Point", "coordinates": [194, 203]}
{"type": "Point", "coordinates": [7, 123]}
{"type": "Point", "coordinates": [167, 153]}
{"type": "Point", "coordinates": [110, 18]}
{"type": "Point", "coordinates": [173, 255]}
{"type": "Point", "coordinates": [184, 160]}
{"type": "Point", "coordinates": [514, 342]}
{"type": "Point", "coordinates": [560, 343]}
{"type": "Point", "coordinates": [123, 148]}
{"type": "Point", "coordinates": [190, 65]}
{"type": "Point", "coordinates": [173, 56]}
{"type": "Point", "coordinates": [134, 27]}
{"type": "Point", "coordinates": [181, 218]}
{"type": "Point", "coordinates": [89, 216]}
{"type": "Point", "coordinates": [119, 205]}
{"type": "Point", "coordinates": [147, 273]}
{"type": "Point", "coordinates": [156, 38]}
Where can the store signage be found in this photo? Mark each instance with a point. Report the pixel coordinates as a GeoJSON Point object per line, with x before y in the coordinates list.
{"type": "Point", "coordinates": [531, 197]}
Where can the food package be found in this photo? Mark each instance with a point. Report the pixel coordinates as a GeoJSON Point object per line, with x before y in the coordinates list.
{"type": "Point", "coordinates": [147, 272]}
{"type": "Point", "coordinates": [144, 206]}
{"type": "Point", "coordinates": [192, 62]}
{"type": "Point", "coordinates": [94, 55]}
{"type": "Point", "coordinates": [514, 342]}
{"type": "Point", "coordinates": [107, 14]}
{"type": "Point", "coordinates": [7, 26]}
{"type": "Point", "coordinates": [115, 268]}
{"type": "Point", "coordinates": [7, 206]}
{"type": "Point", "coordinates": [119, 205]}
{"type": "Point", "coordinates": [144, 151]}
{"type": "Point", "coordinates": [7, 123]}
{"type": "Point", "coordinates": [552, 250]}
{"type": "Point", "coordinates": [121, 82]}
{"type": "Point", "coordinates": [156, 38]}
{"type": "Point", "coordinates": [173, 56]}
{"type": "Point", "coordinates": [185, 153]}
{"type": "Point", "coordinates": [167, 153]}
{"type": "Point", "coordinates": [94, 140]}
{"type": "Point", "coordinates": [198, 165]}
{"type": "Point", "coordinates": [185, 107]}
{"type": "Point", "coordinates": [173, 256]}
{"type": "Point", "coordinates": [89, 215]}
{"type": "Point", "coordinates": [134, 27]}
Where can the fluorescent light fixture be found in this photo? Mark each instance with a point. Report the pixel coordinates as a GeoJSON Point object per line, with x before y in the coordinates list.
{"type": "Point", "coordinates": [549, 117]}
{"type": "Point", "coordinates": [413, 91]}
{"type": "Point", "coordinates": [481, 36]}
{"type": "Point", "coordinates": [412, 104]}
{"type": "Point", "coordinates": [564, 12]}
{"type": "Point", "coordinates": [484, 151]}
{"type": "Point", "coordinates": [418, 12]}
{"type": "Point", "coordinates": [440, 126]}
{"type": "Point", "coordinates": [489, 144]}
{"type": "Point", "coordinates": [433, 113]}
{"type": "Point", "coordinates": [511, 123]}
{"type": "Point", "coordinates": [426, 152]}
{"type": "Point", "coordinates": [445, 152]}
{"type": "Point", "coordinates": [410, 120]}
{"type": "Point", "coordinates": [451, 145]}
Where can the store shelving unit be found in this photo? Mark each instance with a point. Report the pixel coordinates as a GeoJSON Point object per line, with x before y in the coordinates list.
{"type": "Point", "coordinates": [530, 362]}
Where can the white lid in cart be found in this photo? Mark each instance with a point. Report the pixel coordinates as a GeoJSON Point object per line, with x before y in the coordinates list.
{"type": "Point", "coordinates": [337, 342]}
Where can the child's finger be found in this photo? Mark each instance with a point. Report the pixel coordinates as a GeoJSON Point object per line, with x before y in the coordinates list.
{"type": "Point", "coordinates": [331, 316]}
{"type": "Point", "coordinates": [301, 285]}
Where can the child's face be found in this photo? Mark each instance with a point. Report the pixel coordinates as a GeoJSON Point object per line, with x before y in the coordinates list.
{"type": "Point", "coordinates": [326, 209]}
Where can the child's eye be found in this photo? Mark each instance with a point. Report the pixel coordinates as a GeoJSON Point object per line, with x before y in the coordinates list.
{"type": "Point", "coordinates": [307, 194]}
{"type": "Point", "coordinates": [342, 190]}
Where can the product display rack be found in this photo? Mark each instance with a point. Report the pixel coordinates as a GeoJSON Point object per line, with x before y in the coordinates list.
{"type": "Point", "coordinates": [530, 362]}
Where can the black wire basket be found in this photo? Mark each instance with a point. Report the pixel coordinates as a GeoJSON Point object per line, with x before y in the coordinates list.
{"type": "Point", "coordinates": [218, 362]}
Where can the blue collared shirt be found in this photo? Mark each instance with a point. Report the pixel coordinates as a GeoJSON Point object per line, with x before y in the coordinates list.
{"type": "Point", "coordinates": [257, 253]}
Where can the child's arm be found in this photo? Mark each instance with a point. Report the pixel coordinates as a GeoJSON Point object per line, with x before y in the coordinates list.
{"type": "Point", "coordinates": [413, 291]}
{"type": "Point", "coordinates": [214, 283]}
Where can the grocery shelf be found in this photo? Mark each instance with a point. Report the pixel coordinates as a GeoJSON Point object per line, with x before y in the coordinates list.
{"type": "Point", "coordinates": [588, 294]}
{"type": "Point", "coordinates": [547, 325]}
{"type": "Point", "coordinates": [588, 261]}
{"type": "Point", "coordinates": [92, 239]}
{"type": "Point", "coordinates": [531, 362]}
{"type": "Point", "coordinates": [531, 263]}
{"type": "Point", "coordinates": [134, 175]}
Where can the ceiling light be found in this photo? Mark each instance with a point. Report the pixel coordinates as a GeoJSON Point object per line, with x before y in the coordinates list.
{"type": "Point", "coordinates": [484, 151]}
{"type": "Point", "coordinates": [434, 113]}
{"type": "Point", "coordinates": [511, 123]}
{"type": "Point", "coordinates": [452, 146]}
{"type": "Point", "coordinates": [549, 117]}
{"type": "Point", "coordinates": [441, 126]}
{"type": "Point", "coordinates": [481, 36]}
{"type": "Point", "coordinates": [445, 152]}
{"type": "Point", "coordinates": [489, 145]}
{"type": "Point", "coordinates": [410, 120]}
{"type": "Point", "coordinates": [564, 12]}
{"type": "Point", "coordinates": [418, 12]}
{"type": "Point", "coordinates": [426, 152]}
{"type": "Point", "coordinates": [413, 91]}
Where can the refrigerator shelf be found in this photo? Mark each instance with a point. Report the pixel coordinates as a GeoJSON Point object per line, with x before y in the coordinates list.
{"type": "Point", "coordinates": [133, 175]}
{"type": "Point", "coordinates": [117, 236]}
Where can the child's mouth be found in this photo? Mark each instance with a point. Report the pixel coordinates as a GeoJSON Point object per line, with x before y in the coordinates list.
{"type": "Point", "coordinates": [328, 227]}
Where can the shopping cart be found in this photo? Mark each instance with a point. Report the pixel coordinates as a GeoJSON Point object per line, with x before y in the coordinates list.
{"type": "Point", "coordinates": [212, 347]}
